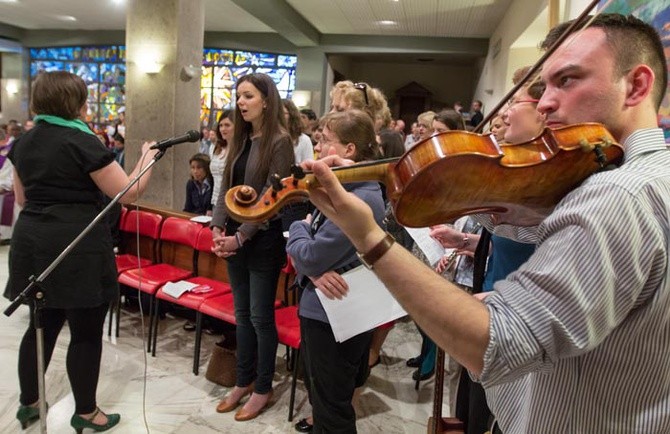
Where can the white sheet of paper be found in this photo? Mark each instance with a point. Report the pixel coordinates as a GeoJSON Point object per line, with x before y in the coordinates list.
{"type": "Point", "coordinates": [429, 246]}
{"type": "Point", "coordinates": [176, 289]}
{"type": "Point", "coordinates": [367, 305]}
{"type": "Point", "coordinates": [202, 219]}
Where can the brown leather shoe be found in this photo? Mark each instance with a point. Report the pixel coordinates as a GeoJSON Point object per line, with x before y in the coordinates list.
{"type": "Point", "coordinates": [226, 407]}
{"type": "Point", "coordinates": [243, 415]}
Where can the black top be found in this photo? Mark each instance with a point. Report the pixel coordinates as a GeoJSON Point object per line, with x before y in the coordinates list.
{"type": "Point", "coordinates": [476, 119]}
{"type": "Point", "coordinates": [198, 197]}
{"type": "Point", "coordinates": [54, 165]}
{"type": "Point", "coordinates": [240, 168]}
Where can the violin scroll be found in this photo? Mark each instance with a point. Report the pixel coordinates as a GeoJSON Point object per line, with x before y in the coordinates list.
{"type": "Point", "coordinates": [244, 204]}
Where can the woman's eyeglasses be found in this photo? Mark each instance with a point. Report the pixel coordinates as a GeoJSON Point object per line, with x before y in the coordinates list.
{"type": "Point", "coordinates": [364, 88]}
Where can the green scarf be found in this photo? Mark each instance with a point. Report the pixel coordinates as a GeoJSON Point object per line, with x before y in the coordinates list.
{"type": "Point", "coordinates": [73, 123]}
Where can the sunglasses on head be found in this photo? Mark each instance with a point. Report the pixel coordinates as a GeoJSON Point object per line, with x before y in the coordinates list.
{"type": "Point", "coordinates": [363, 88]}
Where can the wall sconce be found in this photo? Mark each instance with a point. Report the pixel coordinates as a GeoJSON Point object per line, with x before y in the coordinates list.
{"type": "Point", "coordinates": [189, 72]}
{"type": "Point", "coordinates": [12, 87]}
{"type": "Point", "coordinates": [150, 66]}
{"type": "Point", "coordinates": [302, 98]}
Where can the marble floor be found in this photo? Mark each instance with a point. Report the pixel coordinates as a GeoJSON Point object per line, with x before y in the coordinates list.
{"type": "Point", "coordinates": [161, 395]}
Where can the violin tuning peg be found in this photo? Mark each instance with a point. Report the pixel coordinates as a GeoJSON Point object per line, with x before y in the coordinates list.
{"type": "Point", "coordinates": [275, 180]}
{"type": "Point", "coordinates": [297, 172]}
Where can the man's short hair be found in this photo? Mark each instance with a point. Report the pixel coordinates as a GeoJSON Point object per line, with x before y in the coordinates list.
{"type": "Point", "coordinates": [309, 113]}
{"type": "Point", "coordinates": [632, 42]}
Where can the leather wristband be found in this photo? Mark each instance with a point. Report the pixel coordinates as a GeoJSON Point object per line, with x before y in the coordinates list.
{"type": "Point", "coordinates": [368, 259]}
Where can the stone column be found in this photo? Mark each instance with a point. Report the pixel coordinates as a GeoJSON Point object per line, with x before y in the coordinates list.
{"type": "Point", "coordinates": [311, 76]}
{"type": "Point", "coordinates": [166, 35]}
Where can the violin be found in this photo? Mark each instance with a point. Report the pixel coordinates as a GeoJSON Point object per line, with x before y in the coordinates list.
{"type": "Point", "coordinates": [457, 173]}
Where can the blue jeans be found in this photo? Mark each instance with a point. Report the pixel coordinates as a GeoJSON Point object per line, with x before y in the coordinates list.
{"type": "Point", "coordinates": [253, 272]}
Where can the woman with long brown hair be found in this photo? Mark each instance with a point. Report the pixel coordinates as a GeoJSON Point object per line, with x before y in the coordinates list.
{"type": "Point", "coordinates": [255, 253]}
{"type": "Point", "coordinates": [224, 135]}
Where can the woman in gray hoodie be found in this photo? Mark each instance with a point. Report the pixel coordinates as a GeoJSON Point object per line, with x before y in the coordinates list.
{"type": "Point", "coordinates": [320, 252]}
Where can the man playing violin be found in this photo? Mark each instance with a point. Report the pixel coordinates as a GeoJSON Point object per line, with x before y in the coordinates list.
{"type": "Point", "coordinates": [577, 339]}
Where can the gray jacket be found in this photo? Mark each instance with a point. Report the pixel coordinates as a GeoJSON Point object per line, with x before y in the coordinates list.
{"type": "Point", "coordinates": [322, 247]}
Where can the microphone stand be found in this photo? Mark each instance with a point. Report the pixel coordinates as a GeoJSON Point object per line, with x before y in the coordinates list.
{"type": "Point", "coordinates": [33, 294]}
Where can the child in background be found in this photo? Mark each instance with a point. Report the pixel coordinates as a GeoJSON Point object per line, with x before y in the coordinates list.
{"type": "Point", "coordinates": [199, 187]}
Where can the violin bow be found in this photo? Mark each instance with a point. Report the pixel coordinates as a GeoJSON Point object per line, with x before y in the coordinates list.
{"type": "Point", "coordinates": [582, 20]}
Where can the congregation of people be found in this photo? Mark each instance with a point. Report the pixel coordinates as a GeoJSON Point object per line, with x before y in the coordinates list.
{"type": "Point", "coordinates": [559, 327]}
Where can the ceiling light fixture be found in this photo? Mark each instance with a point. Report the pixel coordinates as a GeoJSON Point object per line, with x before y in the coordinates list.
{"type": "Point", "coordinates": [387, 23]}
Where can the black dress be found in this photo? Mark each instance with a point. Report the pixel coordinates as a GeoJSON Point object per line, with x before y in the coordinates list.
{"type": "Point", "coordinates": [54, 164]}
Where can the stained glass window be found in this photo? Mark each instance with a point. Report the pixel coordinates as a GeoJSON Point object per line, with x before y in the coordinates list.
{"type": "Point", "coordinates": [102, 68]}
{"type": "Point", "coordinates": [222, 68]}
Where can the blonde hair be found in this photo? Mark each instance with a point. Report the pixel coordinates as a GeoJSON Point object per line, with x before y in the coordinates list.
{"type": "Point", "coordinates": [361, 96]}
{"type": "Point", "coordinates": [426, 118]}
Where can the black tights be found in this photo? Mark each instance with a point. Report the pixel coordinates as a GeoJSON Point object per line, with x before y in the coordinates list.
{"type": "Point", "coordinates": [83, 354]}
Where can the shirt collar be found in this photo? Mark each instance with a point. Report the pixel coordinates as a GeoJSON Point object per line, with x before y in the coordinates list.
{"type": "Point", "coordinates": [644, 141]}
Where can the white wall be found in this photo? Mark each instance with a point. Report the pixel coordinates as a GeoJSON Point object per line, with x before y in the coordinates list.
{"type": "Point", "coordinates": [495, 79]}
{"type": "Point", "coordinates": [574, 8]}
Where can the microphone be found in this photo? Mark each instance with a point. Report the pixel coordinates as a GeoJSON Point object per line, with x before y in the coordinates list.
{"type": "Point", "coordinates": [190, 136]}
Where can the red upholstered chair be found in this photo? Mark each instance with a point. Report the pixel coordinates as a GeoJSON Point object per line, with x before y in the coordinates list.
{"type": "Point", "coordinates": [147, 226]}
{"type": "Point", "coordinates": [288, 331]}
{"type": "Point", "coordinates": [177, 241]}
{"type": "Point", "coordinates": [191, 300]}
{"type": "Point", "coordinates": [288, 271]}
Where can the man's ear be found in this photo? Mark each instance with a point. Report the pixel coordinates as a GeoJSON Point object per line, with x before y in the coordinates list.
{"type": "Point", "coordinates": [350, 151]}
{"type": "Point", "coordinates": [639, 84]}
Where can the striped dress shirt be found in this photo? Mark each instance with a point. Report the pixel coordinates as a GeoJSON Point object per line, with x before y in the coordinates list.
{"type": "Point", "coordinates": [580, 334]}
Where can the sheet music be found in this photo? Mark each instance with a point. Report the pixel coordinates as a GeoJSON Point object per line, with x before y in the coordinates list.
{"type": "Point", "coordinates": [428, 246]}
{"type": "Point", "coordinates": [367, 305]}
{"type": "Point", "coordinates": [176, 289]}
{"type": "Point", "coordinates": [201, 219]}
